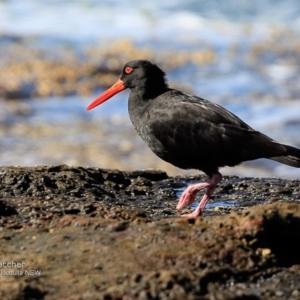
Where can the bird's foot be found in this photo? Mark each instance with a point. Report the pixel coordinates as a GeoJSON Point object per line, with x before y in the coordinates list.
{"type": "Point", "coordinates": [192, 215]}
{"type": "Point", "coordinates": [189, 195]}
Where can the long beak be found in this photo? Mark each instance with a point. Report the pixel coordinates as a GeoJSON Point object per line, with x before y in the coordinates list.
{"type": "Point", "coordinates": [114, 89]}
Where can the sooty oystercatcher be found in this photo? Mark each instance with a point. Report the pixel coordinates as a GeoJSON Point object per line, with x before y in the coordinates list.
{"type": "Point", "coordinates": [190, 132]}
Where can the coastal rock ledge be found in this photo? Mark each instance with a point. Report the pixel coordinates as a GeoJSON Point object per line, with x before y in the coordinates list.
{"type": "Point", "coordinates": [89, 233]}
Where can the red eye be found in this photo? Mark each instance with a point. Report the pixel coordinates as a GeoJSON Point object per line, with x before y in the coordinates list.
{"type": "Point", "coordinates": [128, 70]}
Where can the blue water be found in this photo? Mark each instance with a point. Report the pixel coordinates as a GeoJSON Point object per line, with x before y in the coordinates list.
{"type": "Point", "coordinates": [79, 19]}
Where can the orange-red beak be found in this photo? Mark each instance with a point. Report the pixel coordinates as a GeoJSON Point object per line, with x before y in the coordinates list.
{"type": "Point", "coordinates": [114, 89]}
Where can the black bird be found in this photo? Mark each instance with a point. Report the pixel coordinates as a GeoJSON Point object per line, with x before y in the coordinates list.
{"type": "Point", "coordinates": [190, 132]}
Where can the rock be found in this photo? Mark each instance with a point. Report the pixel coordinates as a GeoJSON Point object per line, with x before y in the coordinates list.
{"type": "Point", "coordinates": [89, 233]}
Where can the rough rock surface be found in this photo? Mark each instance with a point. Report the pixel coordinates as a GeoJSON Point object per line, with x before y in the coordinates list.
{"type": "Point", "coordinates": [88, 233]}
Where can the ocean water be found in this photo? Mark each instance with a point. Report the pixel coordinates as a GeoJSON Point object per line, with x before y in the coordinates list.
{"type": "Point", "coordinates": [263, 89]}
{"type": "Point", "coordinates": [90, 19]}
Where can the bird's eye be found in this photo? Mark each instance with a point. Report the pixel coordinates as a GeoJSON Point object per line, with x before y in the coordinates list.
{"type": "Point", "coordinates": [128, 70]}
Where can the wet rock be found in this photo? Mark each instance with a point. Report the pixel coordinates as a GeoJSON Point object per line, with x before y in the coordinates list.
{"type": "Point", "coordinates": [6, 210]}
{"type": "Point", "coordinates": [106, 234]}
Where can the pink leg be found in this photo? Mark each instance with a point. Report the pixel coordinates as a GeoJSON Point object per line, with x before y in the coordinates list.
{"type": "Point", "coordinates": [189, 195]}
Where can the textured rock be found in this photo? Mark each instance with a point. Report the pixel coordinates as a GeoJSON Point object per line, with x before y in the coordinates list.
{"type": "Point", "coordinates": [107, 234]}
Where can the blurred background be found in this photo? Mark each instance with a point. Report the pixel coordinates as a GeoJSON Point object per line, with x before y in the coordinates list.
{"type": "Point", "coordinates": [56, 56]}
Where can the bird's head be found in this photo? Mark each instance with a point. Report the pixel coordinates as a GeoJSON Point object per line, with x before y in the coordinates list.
{"type": "Point", "coordinates": [140, 75]}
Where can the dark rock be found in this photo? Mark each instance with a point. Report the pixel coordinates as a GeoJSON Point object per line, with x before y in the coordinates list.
{"type": "Point", "coordinates": [84, 228]}
{"type": "Point", "coordinates": [6, 210]}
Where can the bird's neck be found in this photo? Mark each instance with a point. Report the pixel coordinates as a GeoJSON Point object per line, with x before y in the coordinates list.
{"type": "Point", "coordinates": [144, 94]}
{"type": "Point", "coordinates": [150, 88]}
{"type": "Point", "coordinates": [141, 99]}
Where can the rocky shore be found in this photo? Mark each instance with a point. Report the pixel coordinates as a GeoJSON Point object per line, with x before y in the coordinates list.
{"type": "Point", "coordinates": [34, 71]}
{"type": "Point", "coordinates": [36, 66]}
{"type": "Point", "coordinates": [89, 233]}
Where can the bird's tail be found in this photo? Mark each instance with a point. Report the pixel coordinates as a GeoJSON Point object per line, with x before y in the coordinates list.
{"type": "Point", "coordinates": [291, 157]}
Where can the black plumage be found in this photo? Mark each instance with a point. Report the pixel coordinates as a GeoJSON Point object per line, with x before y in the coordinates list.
{"type": "Point", "coordinates": [190, 132]}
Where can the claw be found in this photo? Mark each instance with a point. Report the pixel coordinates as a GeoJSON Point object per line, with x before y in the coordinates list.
{"type": "Point", "coordinates": [191, 215]}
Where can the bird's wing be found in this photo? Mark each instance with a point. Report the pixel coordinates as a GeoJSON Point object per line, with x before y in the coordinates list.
{"type": "Point", "coordinates": [191, 125]}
